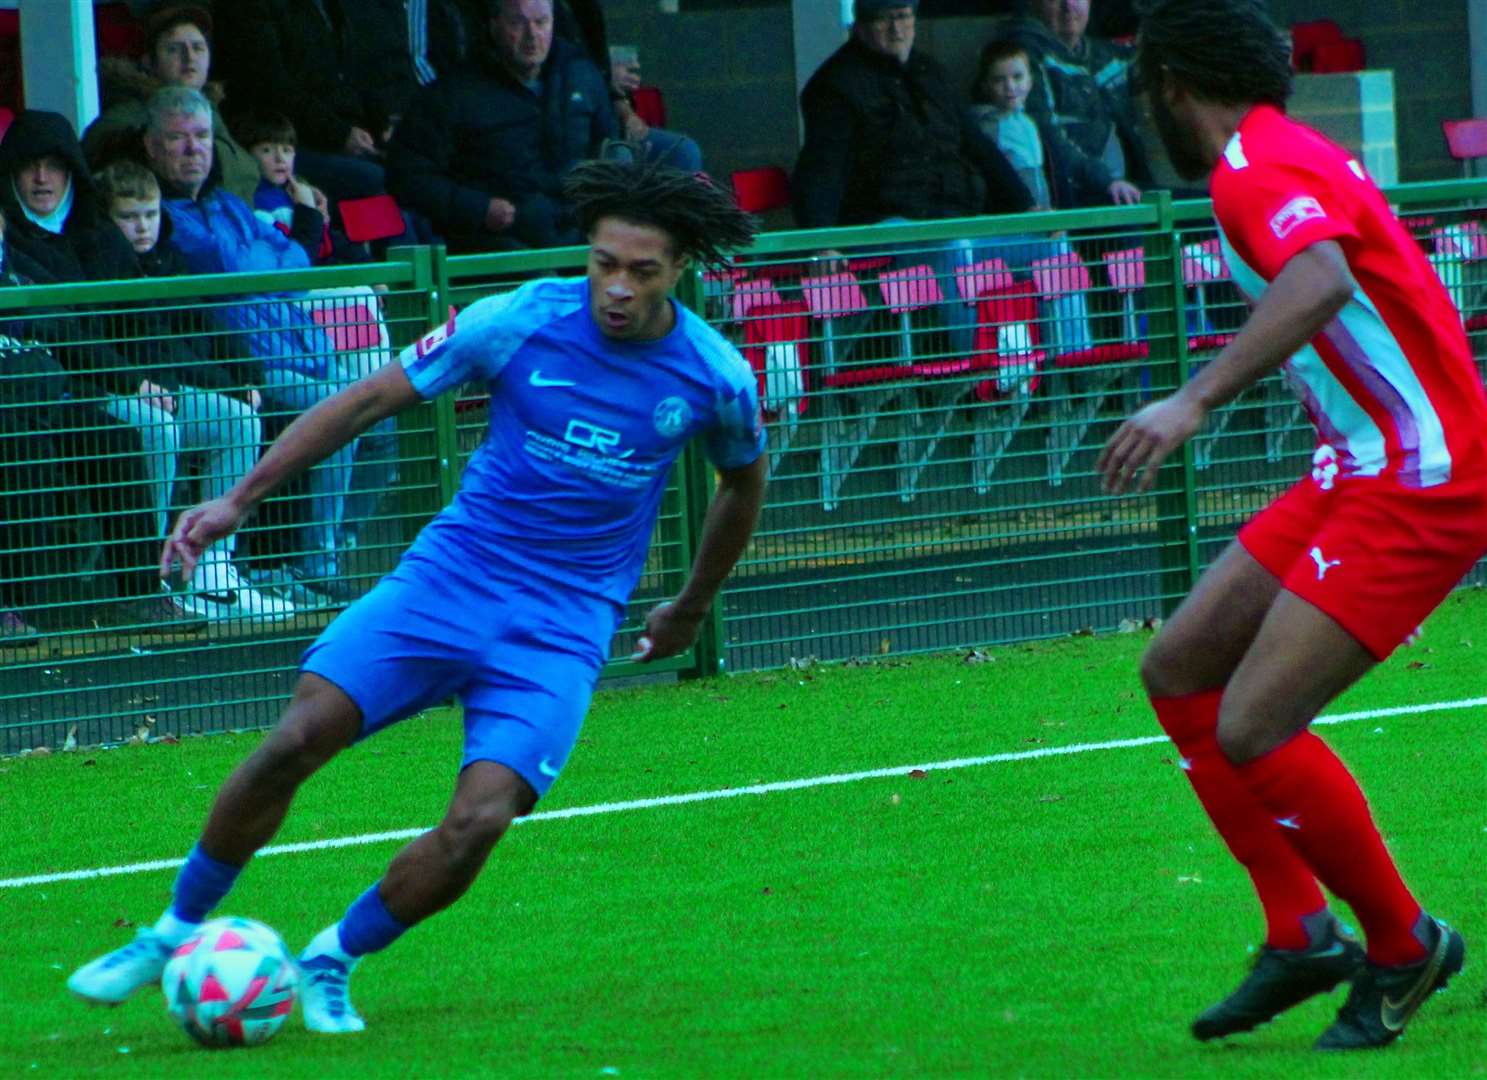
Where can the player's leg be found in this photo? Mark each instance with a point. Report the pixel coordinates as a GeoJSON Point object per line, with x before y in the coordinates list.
{"type": "Point", "coordinates": [1301, 660]}
{"type": "Point", "coordinates": [424, 878]}
{"type": "Point", "coordinates": [1185, 671]}
{"type": "Point", "coordinates": [250, 806]}
{"type": "Point", "coordinates": [523, 710]}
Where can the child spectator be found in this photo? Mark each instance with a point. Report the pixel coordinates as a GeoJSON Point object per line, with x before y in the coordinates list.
{"type": "Point", "coordinates": [206, 412]}
{"type": "Point", "coordinates": [272, 141]}
{"type": "Point", "coordinates": [1056, 172]}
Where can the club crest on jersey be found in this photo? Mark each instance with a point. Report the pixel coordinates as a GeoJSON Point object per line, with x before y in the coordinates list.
{"type": "Point", "coordinates": [1294, 214]}
{"type": "Point", "coordinates": [671, 417]}
{"type": "Point", "coordinates": [436, 337]}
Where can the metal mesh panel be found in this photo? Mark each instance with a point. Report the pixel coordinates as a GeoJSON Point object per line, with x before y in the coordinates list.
{"type": "Point", "coordinates": [936, 395]}
{"type": "Point", "coordinates": [118, 409]}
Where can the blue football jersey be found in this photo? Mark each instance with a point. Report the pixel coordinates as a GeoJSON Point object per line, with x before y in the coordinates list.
{"type": "Point", "coordinates": [583, 432]}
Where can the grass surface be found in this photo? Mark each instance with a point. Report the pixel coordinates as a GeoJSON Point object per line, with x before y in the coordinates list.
{"type": "Point", "coordinates": [1059, 916]}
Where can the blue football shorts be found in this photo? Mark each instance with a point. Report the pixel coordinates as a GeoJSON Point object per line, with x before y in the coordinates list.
{"type": "Point", "coordinates": [521, 654]}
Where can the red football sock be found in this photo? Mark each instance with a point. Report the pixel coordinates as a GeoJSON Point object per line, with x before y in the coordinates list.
{"type": "Point", "coordinates": [1314, 798]}
{"type": "Point", "coordinates": [1287, 890]}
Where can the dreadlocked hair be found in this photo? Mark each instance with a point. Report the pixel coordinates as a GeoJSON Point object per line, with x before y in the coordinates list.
{"type": "Point", "coordinates": [701, 218]}
{"type": "Point", "coordinates": [1228, 52]}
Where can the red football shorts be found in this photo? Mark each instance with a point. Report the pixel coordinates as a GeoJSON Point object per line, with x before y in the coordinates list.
{"type": "Point", "coordinates": [1375, 556]}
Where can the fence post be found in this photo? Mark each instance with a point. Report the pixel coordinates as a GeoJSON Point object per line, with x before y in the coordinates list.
{"type": "Point", "coordinates": [696, 478]}
{"type": "Point", "coordinates": [1176, 489]}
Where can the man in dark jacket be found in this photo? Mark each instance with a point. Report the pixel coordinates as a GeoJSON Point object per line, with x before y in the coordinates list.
{"type": "Point", "coordinates": [886, 135]}
{"type": "Point", "coordinates": [483, 152]}
{"type": "Point", "coordinates": [887, 138]}
{"type": "Point", "coordinates": [1082, 84]}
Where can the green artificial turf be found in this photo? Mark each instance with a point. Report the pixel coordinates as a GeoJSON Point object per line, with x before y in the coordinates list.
{"type": "Point", "coordinates": [1042, 916]}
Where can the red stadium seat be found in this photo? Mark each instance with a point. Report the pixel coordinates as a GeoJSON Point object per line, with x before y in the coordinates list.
{"type": "Point", "coordinates": [376, 217]}
{"type": "Point", "coordinates": [1307, 36]}
{"type": "Point", "coordinates": [1466, 140]}
{"type": "Point", "coordinates": [649, 105]}
{"type": "Point", "coordinates": [761, 190]}
{"type": "Point", "coordinates": [1336, 56]}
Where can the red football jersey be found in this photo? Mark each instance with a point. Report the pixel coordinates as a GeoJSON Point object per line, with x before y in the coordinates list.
{"type": "Point", "coordinates": [1390, 384]}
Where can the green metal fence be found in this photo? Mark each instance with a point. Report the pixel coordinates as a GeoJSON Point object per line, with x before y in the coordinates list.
{"type": "Point", "coordinates": [936, 394]}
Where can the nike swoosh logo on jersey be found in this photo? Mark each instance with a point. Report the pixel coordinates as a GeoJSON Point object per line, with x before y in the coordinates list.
{"type": "Point", "coordinates": [545, 767]}
{"type": "Point", "coordinates": [536, 379]}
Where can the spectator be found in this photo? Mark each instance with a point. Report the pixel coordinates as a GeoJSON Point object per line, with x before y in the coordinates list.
{"type": "Point", "coordinates": [886, 135]}
{"type": "Point", "coordinates": [199, 414]}
{"type": "Point", "coordinates": [581, 22]}
{"type": "Point", "coordinates": [1082, 84]}
{"type": "Point", "coordinates": [887, 139]}
{"type": "Point", "coordinates": [218, 232]}
{"type": "Point", "coordinates": [1056, 171]}
{"type": "Point", "coordinates": [54, 439]}
{"type": "Point", "coordinates": [178, 52]}
{"type": "Point", "coordinates": [271, 139]}
{"type": "Point", "coordinates": [400, 45]}
{"type": "Point", "coordinates": [297, 57]}
{"type": "Point", "coordinates": [483, 152]}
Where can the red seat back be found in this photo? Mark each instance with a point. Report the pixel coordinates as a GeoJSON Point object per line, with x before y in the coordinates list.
{"type": "Point", "coordinates": [649, 105]}
{"type": "Point", "coordinates": [782, 324]}
{"type": "Point", "coordinates": [376, 217]}
{"type": "Point", "coordinates": [758, 191]}
{"type": "Point", "coordinates": [1306, 36]}
{"type": "Point", "coordinates": [1007, 333]}
{"type": "Point", "coordinates": [1335, 56]}
{"type": "Point", "coordinates": [1466, 139]}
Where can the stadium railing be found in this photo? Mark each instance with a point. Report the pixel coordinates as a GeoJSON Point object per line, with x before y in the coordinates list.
{"type": "Point", "coordinates": [935, 395]}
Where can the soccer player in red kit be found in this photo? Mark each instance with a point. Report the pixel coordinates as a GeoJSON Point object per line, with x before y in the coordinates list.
{"type": "Point", "coordinates": [1338, 571]}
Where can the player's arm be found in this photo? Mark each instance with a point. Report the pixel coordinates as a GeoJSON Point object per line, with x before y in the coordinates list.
{"type": "Point", "coordinates": [310, 439]}
{"type": "Point", "coordinates": [1311, 288]}
{"type": "Point", "coordinates": [730, 521]}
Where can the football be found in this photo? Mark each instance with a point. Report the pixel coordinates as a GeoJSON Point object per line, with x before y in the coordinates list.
{"type": "Point", "coordinates": [232, 983]}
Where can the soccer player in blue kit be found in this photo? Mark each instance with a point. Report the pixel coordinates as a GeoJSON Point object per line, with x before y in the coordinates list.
{"type": "Point", "coordinates": [510, 597]}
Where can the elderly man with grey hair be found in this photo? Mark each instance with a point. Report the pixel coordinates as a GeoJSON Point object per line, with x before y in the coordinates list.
{"type": "Point", "coordinates": [219, 233]}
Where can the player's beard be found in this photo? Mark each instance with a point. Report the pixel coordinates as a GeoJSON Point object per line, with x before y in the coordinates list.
{"type": "Point", "coordinates": [1182, 149]}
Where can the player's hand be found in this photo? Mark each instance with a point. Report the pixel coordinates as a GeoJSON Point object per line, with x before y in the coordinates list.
{"type": "Point", "coordinates": [668, 631]}
{"type": "Point", "coordinates": [1136, 451]}
{"type": "Point", "coordinates": [1124, 193]}
{"type": "Point", "coordinates": [196, 530]}
{"type": "Point", "coordinates": [500, 214]}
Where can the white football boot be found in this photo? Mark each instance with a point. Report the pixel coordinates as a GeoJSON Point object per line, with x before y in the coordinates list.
{"type": "Point", "coordinates": [324, 992]}
{"type": "Point", "coordinates": [114, 976]}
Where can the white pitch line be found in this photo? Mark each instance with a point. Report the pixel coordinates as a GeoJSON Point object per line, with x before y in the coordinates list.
{"type": "Point", "coordinates": [725, 793]}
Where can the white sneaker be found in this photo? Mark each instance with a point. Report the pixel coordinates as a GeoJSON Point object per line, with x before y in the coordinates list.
{"type": "Point", "coordinates": [218, 591]}
{"type": "Point", "coordinates": [324, 992]}
{"type": "Point", "coordinates": [114, 976]}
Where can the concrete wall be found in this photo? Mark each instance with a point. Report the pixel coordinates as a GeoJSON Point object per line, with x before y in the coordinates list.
{"type": "Point", "coordinates": [1428, 47]}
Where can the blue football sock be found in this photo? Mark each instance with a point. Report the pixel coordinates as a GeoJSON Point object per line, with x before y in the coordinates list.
{"type": "Point", "coordinates": [367, 925]}
{"type": "Point", "coordinates": [201, 885]}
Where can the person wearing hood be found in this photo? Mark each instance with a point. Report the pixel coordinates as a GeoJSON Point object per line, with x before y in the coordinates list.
{"type": "Point", "coordinates": [60, 222]}
{"type": "Point", "coordinates": [1082, 84]}
{"type": "Point", "coordinates": [178, 52]}
{"type": "Point", "coordinates": [59, 430]}
{"type": "Point", "coordinates": [484, 151]}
